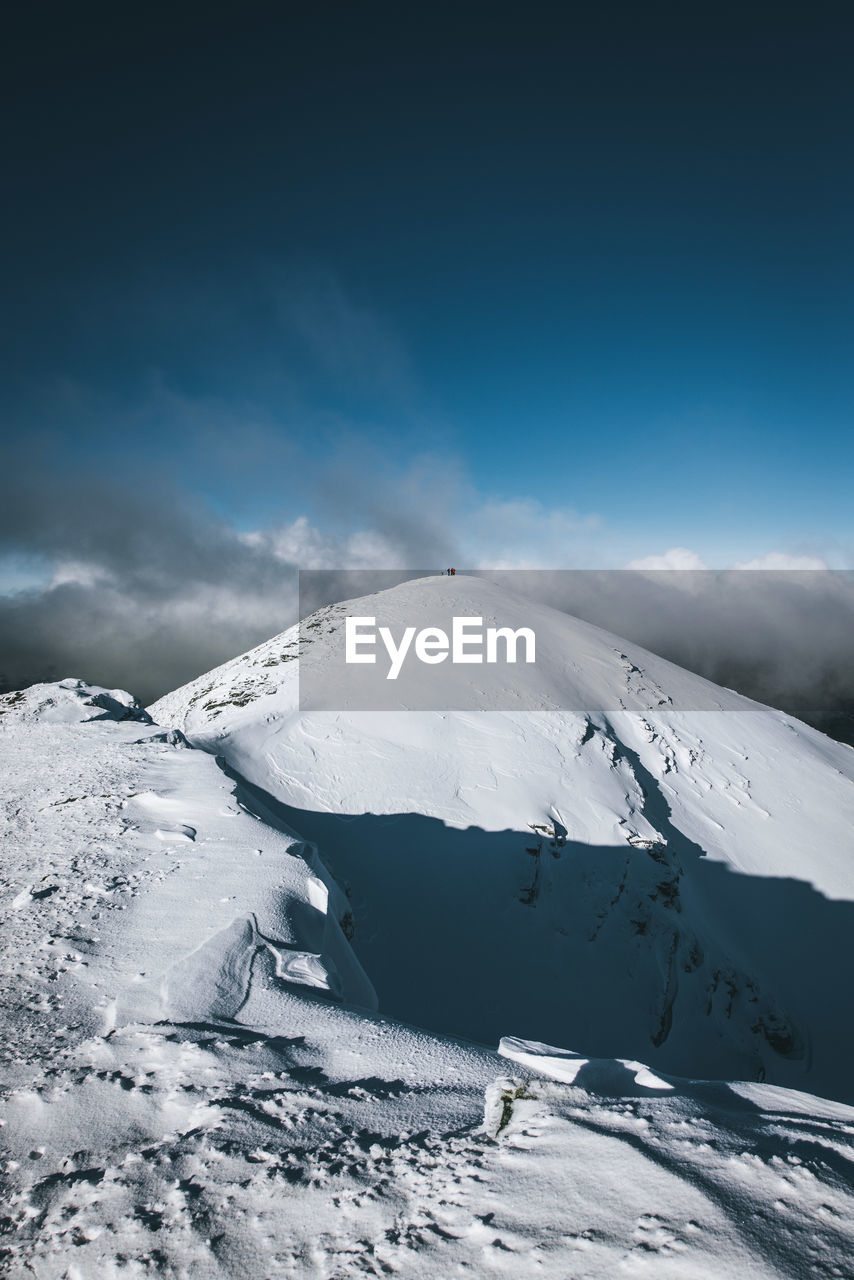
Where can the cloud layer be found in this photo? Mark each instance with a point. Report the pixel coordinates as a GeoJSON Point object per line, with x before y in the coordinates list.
{"type": "Point", "coordinates": [136, 584]}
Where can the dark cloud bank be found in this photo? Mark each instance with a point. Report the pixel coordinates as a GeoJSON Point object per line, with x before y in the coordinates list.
{"type": "Point", "coordinates": [155, 590]}
{"type": "Point", "coordinates": [150, 591]}
{"type": "Point", "coordinates": [783, 637]}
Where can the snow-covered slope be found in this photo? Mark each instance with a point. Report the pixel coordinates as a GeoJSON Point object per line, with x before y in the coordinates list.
{"type": "Point", "coordinates": [218, 894]}
{"type": "Point", "coordinates": [193, 1087]}
{"type": "Point", "coordinates": [665, 870]}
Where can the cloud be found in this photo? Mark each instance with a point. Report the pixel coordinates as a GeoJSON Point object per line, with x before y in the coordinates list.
{"type": "Point", "coordinates": [676, 558]}
{"type": "Point", "coordinates": [144, 586]}
{"type": "Point", "coordinates": [781, 636]}
{"type": "Point", "coordinates": [136, 583]}
{"type": "Point", "coordinates": [780, 560]}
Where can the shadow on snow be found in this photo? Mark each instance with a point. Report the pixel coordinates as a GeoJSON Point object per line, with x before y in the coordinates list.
{"type": "Point", "coordinates": [656, 953]}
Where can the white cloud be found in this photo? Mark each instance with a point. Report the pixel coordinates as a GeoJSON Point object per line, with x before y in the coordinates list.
{"type": "Point", "coordinates": [780, 560]}
{"type": "Point", "coordinates": [79, 573]}
{"type": "Point", "coordinates": [676, 558]}
{"type": "Point", "coordinates": [303, 545]}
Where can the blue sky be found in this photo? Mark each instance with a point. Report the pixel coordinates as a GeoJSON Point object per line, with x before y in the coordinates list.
{"type": "Point", "coordinates": [541, 284]}
{"type": "Point", "coordinates": [600, 261]}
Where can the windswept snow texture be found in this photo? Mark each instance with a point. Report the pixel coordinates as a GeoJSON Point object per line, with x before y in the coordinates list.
{"type": "Point", "coordinates": [635, 880]}
{"type": "Point", "coordinates": [196, 1082]}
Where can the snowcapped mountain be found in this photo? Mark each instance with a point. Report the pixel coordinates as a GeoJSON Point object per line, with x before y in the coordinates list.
{"type": "Point", "coordinates": [204, 904]}
{"type": "Point", "coordinates": [663, 869]}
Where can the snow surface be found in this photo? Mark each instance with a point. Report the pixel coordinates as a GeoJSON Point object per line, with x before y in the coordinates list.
{"type": "Point", "coordinates": [631, 877]}
{"type": "Point", "coordinates": [196, 1082]}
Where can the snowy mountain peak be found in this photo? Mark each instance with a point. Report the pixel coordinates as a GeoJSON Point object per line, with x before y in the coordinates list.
{"type": "Point", "coordinates": [639, 867]}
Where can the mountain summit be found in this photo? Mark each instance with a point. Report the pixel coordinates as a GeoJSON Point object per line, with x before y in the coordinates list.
{"type": "Point", "coordinates": [636, 863]}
